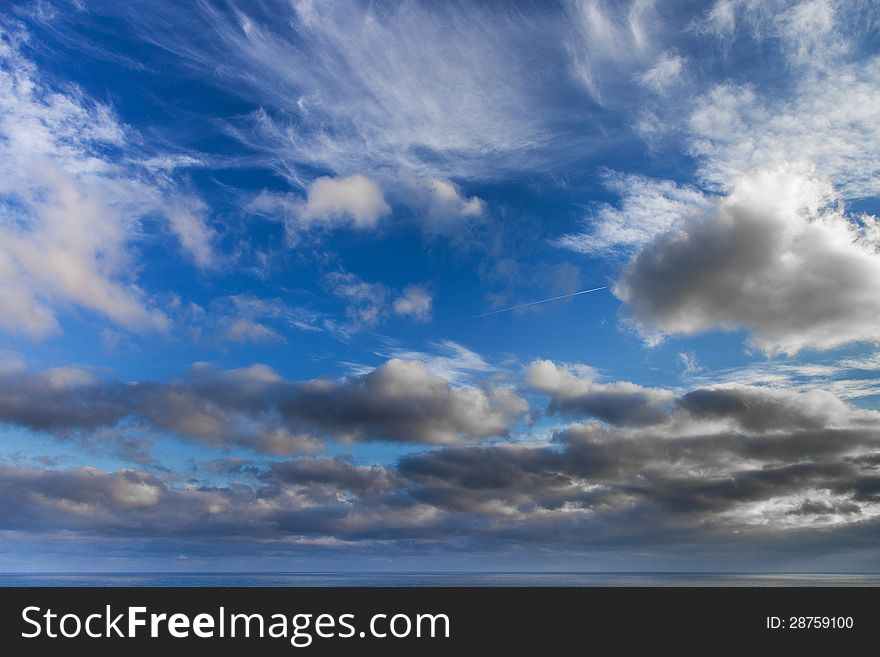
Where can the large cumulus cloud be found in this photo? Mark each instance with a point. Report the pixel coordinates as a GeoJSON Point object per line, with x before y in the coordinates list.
{"type": "Point", "coordinates": [776, 257]}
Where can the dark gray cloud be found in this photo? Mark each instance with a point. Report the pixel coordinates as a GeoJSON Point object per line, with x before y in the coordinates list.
{"type": "Point", "coordinates": [760, 409]}
{"type": "Point", "coordinates": [124, 503]}
{"type": "Point", "coordinates": [254, 408]}
{"type": "Point", "coordinates": [573, 392]}
{"type": "Point", "coordinates": [59, 400]}
{"type": "Point", "coordinates": [772, 257]}
{"type": "Point", "coordinates": [577, 394]}
{"type": "Point", "coordinates": [819, 508]}
{"type": "Point", "coordinates": [333, 474]}
{"type": "Point", "coordinates": [402, 401]}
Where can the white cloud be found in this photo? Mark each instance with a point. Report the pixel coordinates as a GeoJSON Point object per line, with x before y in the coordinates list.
{"type": "Point", "coordinates": [167, 162]}
{"type": "Point", "coordinates": [354, 201]}
{"type": "Point", "coordinates": [808, 33]}
{"type": "Point", "coordinates": [446, 201]}
{"type": "Point", "coordinates": [548, 376]}
{"type": "Point", "coordinates": [249, 330]}
{"type": "Point", "coordinates": [186, 217]}
{"type": "Point", "coordinates": [849, 378]}
{"type": "Point", "coordinates": [365, 302]}
{"type": "Point", "coordinates": [417, 89]}
{"type": "Point", "coordinates": [827, 115]}
{"type": "Point", "coordinates": [355, 198]}
{"type": "Point", "coordinates": [246, 318]}
{"type": "Point", "coordinates": [447, 359]}
{"type": "Point", "coordinates": [664, 74]}
{"type": "Point", "coordinates": [611, 42]}
{"type": "Point", "coordinates": [774, 257]}
{"type": "Point", "coordinates": [368, 304]}
{"type": "Point", "coordinates": [415, 302]}
{"type": "Point", "coordinates": [648, 208]}
{"type": "Point", "coordinates": [70, 211]}
{"type": "Point", "coordinates": [64, 245]}
{"type": "Point", "coordinates": [689, 363]}
{"type": "Point", "coordinates": [830, 121]}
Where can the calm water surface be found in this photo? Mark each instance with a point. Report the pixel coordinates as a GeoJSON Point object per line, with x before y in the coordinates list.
{"type": "Point", "coordinates": [438, 579]}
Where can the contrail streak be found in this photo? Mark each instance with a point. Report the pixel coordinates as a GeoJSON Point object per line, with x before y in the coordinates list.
{"type": "Point", "coordinates": [533, 303]}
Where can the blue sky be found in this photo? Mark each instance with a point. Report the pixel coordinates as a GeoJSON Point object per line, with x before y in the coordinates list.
{"type": "Point", "coordinates": [249, 254]}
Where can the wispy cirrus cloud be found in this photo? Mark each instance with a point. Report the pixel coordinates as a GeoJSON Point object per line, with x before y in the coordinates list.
{"type": "Point", "coordinates": [615, 45]}
{"type": "Point", "coordinates": [447, 359]}
{"type": "Point", "coordinates": [648, 208]}
{"type": "Point", "coordinates": [816, 108]}
{"type": "Point", "coordinates": [356, 88]}
{"type": "Point", "coordinates": [415, 91]}
{"type": "Point", "coordinates": [850, 378]}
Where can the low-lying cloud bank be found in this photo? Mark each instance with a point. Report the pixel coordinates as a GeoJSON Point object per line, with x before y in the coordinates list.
{"type": "Point", "coordinates": [694, 471]}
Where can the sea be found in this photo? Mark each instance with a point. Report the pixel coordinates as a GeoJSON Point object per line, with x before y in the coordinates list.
{"type": "Point", "coordinates": [445, 579]}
